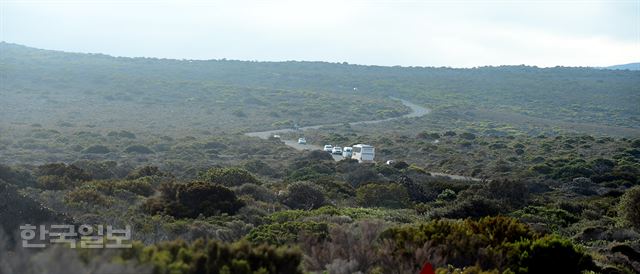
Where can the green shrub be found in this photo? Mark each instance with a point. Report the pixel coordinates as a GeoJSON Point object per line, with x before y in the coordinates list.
{"type": "Point", "coordinates": [122, 134]}
{"type": "Point", "coordinates": [96, 149]}
{"type": "Point", "coordinates": [287, 232]}
{"type": "Point", "coordinates": [71, 172]}
{"type": "Point", "coordinates": [491, 243]}
{"type": "Point", "coordinates": [389, 195]}
{"type": "Point", "coordinates": [60, 176]}
{"type": "Point", "coordinates": [102, 170]}
{"type": "Point", "coordinates": [140, 186]}
{"type": "Point", "coordinates": [83, 196]}
{"type": "Point", "coordinates": [470, 207]}
{"type": "Point", "coordinates": [192, 199]}
{"type": "Point", "coordinates": [629, 207]}
{"type": "Point", "coordinates": [52, 182]}
{"type": "Point", "coordinates": [260, 167]}
{"type": "Point", "coordinates": [553, 217]}
{"type": "Point", "coordinates": [16, 176]}
{"type": "Point", "coordinates": [511, 194]}
{"type": "Point", "coordinates": [542, 169]}
{"type": "Point", "coordinates": [229, 177]}
{"type": "Point", "coordinates": [213, 257]}
{"type": "Point", "coordinates": [467, 136]}
{"type": "Point", "coordinates": [139, 149]}
{"type": "Point", "coordinates": [536, 256]}
{"type": "Point", "coordinates": [447, 195]}
{"type": "Point", "coordinates": [304, 195]}
{"type": "Point", "coordinates": [19, 209]}
{"type": "Point", "coordinates": [145, 171]}
{"type": "Point", "coordinates": [257, 192]}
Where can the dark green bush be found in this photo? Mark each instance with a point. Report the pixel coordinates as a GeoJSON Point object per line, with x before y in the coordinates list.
{"type": "Point", "coordinates": [102, 170]}
{"type": "Point", "coordinates": [472, 206]}
{"type": "Point", "coordinates": [553, 217]}
{"type": "Point", "coordinates": [17, 209]}
{"type": "Point", "coordinates": [287, 232]}
{"type": "Point", "coordinates": [145, 171]}
{"type": "Point", "coordinates": [629, 208]}
{"type": "Point", "coordinates": [138, 149]}
{"type": "Point", "coordinates": [96, 149]}
{"type": "Point", "coordinates": [549, 252]}
{"type": "Point", "coordinates": [389, 195]}
{"type": "Point", "coordinates": [52, 182]}
{"type": "Point", "coordinates": [362, 174]}
{"type": "Point", "coordinates": [82, 196]}
{"type": "Point", "coordinates": [257, 192]}
{"type": "Point", "coordinates": [512, 194]}
{"type": "Point", "coordinates": [260, 167]}
{"type": "Point", "coordinates": [304, 195]}
{"type": "Point", "coordinates": [60, 176]}
{"type": "Point", "coordinates": [228, 176]}
{"type": "Point", "coordinates": [467, 136]}
{"type": "Point", "coordinates": [139, 186]}
{"type": "Point", "coordinates": [71, 172]}
{"type": "Point", "coordinates": [492, 243]}
{"type": "Point", "coordinates": [192, 199]}
{"type": "Point", "coordinates": [18, 177]}
{"type": "Point", "coordinates": [213, 257]}
{"type": "Point", "coordinates": [122, 134]}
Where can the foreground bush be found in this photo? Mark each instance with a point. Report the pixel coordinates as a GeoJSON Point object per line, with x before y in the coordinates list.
{"type": "Point", "coordinates": [629, 208]}
{"type": "Point", "coordinates": [212, 257]}
{"type": "Point", "coordinates": [492, 243]}
{"type": "Point", "coordinates": [193, 199]}
{"type": "Point", "coordinates": [17, 209]}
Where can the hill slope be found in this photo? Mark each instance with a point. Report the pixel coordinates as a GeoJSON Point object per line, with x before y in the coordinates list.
{"type": "Point", "coordinates": [72, 88]}
{"type": "Point", "coordinates": [630, 66]}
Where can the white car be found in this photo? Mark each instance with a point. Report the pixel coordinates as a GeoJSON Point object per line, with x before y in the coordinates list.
{"type": "Point", "coordinates": [302, 141]}
{"type": "Point", "coordinates": [328, 148]}
{"type": "Point", "coordinates": [336, 150]}
{"type": "Point", "coordinates": [346, 152]}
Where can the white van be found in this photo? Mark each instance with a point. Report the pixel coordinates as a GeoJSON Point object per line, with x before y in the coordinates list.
{"type": "Point", "coordinates": [363, 153]}
{"type": "Point", "coordinates": [346, 152]}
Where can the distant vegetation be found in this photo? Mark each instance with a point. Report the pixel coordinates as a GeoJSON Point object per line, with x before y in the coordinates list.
{"type": "Point", "coordinates": [225, 95]}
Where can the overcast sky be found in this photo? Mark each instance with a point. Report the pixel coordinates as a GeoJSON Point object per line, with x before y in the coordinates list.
{"type": "Point", "coordinates": [407, 33]}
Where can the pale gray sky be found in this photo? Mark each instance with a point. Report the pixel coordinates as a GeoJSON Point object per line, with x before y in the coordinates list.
{"type": "Point", "coordinates": [408, 33]}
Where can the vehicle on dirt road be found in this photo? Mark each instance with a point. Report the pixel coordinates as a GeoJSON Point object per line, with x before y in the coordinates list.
{"type": "Point", "coordinates": [336, 150]}
{"type": "Point", "coordinates": [346, 152]}
{"type": "Point", "coordinates": [302, 141]}
{"type": "Point", "coordinates": [363, 153]}
{"type": "Point", "coordinates": [328, 148]}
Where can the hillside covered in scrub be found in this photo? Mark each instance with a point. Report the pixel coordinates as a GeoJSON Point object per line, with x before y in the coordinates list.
{"type": "Point", "coordinates": [515, 169]}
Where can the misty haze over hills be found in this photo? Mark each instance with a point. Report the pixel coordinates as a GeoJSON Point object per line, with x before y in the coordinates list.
{"type": "Point", "coordinates": [630, 66]}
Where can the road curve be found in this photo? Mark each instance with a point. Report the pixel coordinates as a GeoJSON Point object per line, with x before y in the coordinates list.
{"type": "Point", "coordinates": [416, 111]}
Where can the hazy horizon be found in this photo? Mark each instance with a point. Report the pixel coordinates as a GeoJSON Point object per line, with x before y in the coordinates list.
{"type": "Point", "coordinates": [406, 33]}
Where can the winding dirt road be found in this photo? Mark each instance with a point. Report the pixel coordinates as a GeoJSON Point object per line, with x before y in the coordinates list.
{"type": "Point", "coordinates": [416, 111]}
